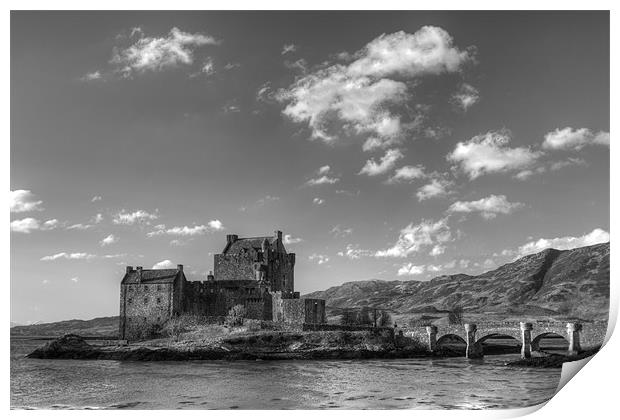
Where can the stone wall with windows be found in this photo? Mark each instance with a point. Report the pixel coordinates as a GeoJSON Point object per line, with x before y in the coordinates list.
{"type": "Point", "coordinates": [145, 306]}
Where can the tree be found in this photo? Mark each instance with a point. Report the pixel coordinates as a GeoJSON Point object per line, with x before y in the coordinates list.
{"type": "Point", "coordinates": [236, 315]}
{"type": "Point", "coordinates": [177, 325]}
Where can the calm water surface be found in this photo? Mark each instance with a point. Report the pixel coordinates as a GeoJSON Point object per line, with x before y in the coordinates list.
{"type": "Point", "coordinates": [453, 383]}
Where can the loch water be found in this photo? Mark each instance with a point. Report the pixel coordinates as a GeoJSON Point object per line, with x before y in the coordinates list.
{"type": "Point", "coordinates": [441, 383]}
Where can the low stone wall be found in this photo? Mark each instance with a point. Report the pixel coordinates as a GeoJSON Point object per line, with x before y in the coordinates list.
{"type": "Point", "coordinates": [335, 327]}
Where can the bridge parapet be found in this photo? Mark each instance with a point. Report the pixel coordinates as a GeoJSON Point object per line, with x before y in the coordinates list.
{"type": "Point", "coordinates": [528, 334]}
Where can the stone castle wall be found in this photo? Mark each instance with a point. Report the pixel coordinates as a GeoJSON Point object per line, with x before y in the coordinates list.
{"type": "Point", "coordinates": [235, 267]}
{"type": "Point", "coordinates": [145, 306]}
{"type": "Point", "coordinates": [290, 309]}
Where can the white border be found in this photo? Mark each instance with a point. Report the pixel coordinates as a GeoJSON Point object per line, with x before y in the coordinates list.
{"type": "Point", "coordinates": [592, 394]}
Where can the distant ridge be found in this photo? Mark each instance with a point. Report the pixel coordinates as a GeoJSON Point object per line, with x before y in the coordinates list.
{"type": "Point", "coordinates": [570, 282]}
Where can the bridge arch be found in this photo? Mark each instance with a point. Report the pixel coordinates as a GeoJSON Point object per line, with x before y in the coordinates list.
{"type": "Point", "coordinates": [549, 334]}
{"type": "Point", "coordinates": [454, 337]}
{"type": "Point", "coordinates": [499, 335]}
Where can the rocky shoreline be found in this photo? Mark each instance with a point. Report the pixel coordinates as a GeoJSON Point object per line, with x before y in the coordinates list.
{"type": "Point", "coordinates": [74, 347]}
{"type": "Point", "coordinates": [282, 346]}
{"type": "Point", "coordinates": [553, 361]}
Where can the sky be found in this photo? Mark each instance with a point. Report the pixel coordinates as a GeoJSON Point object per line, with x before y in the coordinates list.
{"type": "Point", "coordinates": [387, 145]}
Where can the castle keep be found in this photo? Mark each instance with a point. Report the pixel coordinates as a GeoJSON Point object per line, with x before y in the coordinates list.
{"type": "Point", "coordinates": [254, 272]}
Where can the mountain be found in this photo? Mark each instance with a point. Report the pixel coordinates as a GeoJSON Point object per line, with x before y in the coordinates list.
{"type": "Point", "coordinates": [97, 327]}
{"type": "Point", "coordinates": [571, 283]}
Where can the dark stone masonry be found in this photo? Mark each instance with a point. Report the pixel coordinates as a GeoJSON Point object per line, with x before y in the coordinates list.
{"type": "Point", "coordinates": [256, 272]}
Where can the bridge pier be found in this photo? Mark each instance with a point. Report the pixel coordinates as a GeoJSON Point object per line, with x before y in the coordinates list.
{"type": "Point", "coordinates": [431, 330]}
{"type": "Point", "coordinates": [474, 349]}
{"type": "Point", "coordinates": [526, 340]}
{"type": "Point", "coordinates": [574, 346]}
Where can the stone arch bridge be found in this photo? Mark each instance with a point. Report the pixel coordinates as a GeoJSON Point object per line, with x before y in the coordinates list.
{"type": "Point", "coordinates": [527, 334]}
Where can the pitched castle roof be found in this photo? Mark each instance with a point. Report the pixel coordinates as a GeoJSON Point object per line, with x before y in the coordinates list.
{"type": "Point", "coordinates": [248, 243]}
{"type": "Point", "coordinates": [152, 276]}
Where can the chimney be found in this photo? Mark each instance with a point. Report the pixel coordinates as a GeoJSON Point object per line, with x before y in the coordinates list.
{"type": "Point", "coordinates": [129, 269]}
{"type": "Point", "coordinates": [210, 277]}
{"type": "Point", "coordinates": [231, 238]}
{"type": "Point", "coordinates": [180, 267]}
{"type": "Point", "coordinates": [278, 234]}
{"type": "Point", "coordinates": [139, 270]}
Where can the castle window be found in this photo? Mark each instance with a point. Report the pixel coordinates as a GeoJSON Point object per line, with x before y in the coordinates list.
{"type": "Point", "coordinates": [146, 300]}
{"type": "Point", "coordinates": [146, 288]}
{"type": "Point", "coordinates": [158, 300]}
{"type": "Point", "coordinates": [129, 301]}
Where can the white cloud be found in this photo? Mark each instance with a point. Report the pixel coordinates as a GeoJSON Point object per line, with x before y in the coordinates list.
{"type": "Point", "coordinates": [196, 230]}
{"type": "Point", "coordinates": [155, 54]}
{"type": "Point", "coordinates": [164, 264]}
{"type": "Point", "coordinates": [266, 199]}
{"type": "Point", "coordinates": [50, 224]}
{"type": "Point", "coordinates": [358, 95]}
{"type": "Point", "coordinates": [75, 279]}
{"type": "Point", "coordinates": [340, 232]}
{"type": "Point", "coordinates": [215, 225]}
{"type": "Point", "coordinates": [288, 48]}
{"type": "Point", "coordinates": [488, 207]}
{"type": "Point", "coordinates": [232, 66]}
{"type": "Point", "coordinates": [415, 237]}
{"type": "Point", "coordinates": [79, 226]}
{"type": "Point", "coordinates": [354, 252]}
{"type": "Point", "coordinates": [96, 198]}
{"type": "Point", "coordinates": [323, 176]}
{"type": "Point", "coordinates": [109, 240]}
{"type": "Point", "coordinates": [488, 263]}
{"type": "Point", "coordinates": [574, 139]}
{"type": "Point", "coordinates": [297, 65]}
{"type": "Point", "coordinates": [566, 242]}
{"type": "Point", "coordinates": [69, 256]}
{"type": "Point", "coordinates": [528, 173]}
{"type": "Point", "coordinates": [136, 217]}
{"type": "Point", "coordinates": [319, 258]}
{"type": "Point", "coordinates": [318, 201]}
{"type": "Point", "coordinates": [434, 268]}
{"type": "Point", "coordinates": [21, 201]}
{"type": "Point", "coordinates": [437, 187]}
{"type": "Point", "coordinates": [372, 168]}
{"type": "Point", "coordinates": [89, 77]}
{"type": "Point", "coordinates": [98, 218]}
{"type": "Point", "coordinates": [289, 239]}
{"type": "Point", "coordinates": [323, 170]}
{"type": "Point", "coordinates": [407, 174]}
{"type": "Point", "coordinates": [567, 162]}
{"type": "Point", "coordinates": [30, 224]}
{"type": "Point", "coordinates": [208, 67]}
{"type": "Point", "coordinates": [489, 153]}
{"type": "Point", "coordinates": [466, 96]}
{"type": "Point", "coordinates": [26, 225]}
{"type": "Point", "coordinates": [410, 269]}
{"type": "Point", "coordinates": [450, 265]}
{"type": "Point", "coordinates": [437, 250]}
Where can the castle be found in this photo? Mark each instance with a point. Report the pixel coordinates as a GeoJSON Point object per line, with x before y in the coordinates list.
{"type": "Point", "coordinates": [254, 272]}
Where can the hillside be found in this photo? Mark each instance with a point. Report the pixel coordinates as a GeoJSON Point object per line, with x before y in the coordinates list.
{"type": "Point", "coordinates": [570, 283]}
{"type": "Point", "coordinates": [99, 327]}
